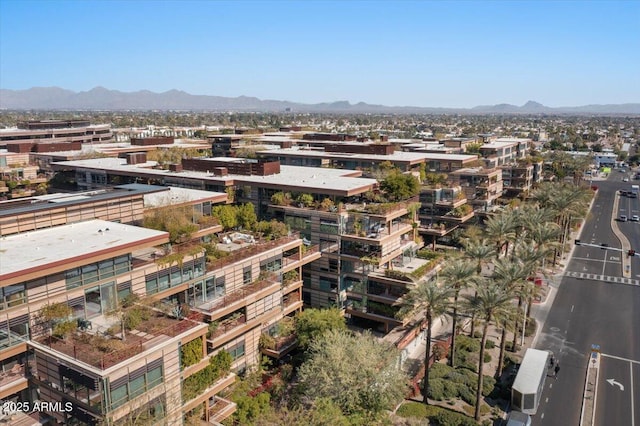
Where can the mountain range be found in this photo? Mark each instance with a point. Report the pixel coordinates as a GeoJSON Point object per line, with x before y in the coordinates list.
{"type": "Point", "coordinates": [101, 99]}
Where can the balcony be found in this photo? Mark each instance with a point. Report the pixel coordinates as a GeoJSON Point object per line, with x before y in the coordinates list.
{"type": "Point", "coordinates": [310, 254]}
{"type": "Point", "coordinates": [220, 410]}
{"type": "Point", "coordinates": [14, 380]}
{"type": "Point", "coordinates": [250, 251]}
{"type": "Point", "coordinates": [291, 302]}
{"type": "Point", "coordinates": [279, 346]}
{"type": "Point", "coordinates": [226, 304]}
{"type": "Point", "coordinates": [104, 351]}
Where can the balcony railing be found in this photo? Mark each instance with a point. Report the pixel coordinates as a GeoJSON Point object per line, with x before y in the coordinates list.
{"type": "Point", "coordinates": [220, 410]}
{"type": "Point", "coordinates": [227, 326]}
{"type": "Point", "coordinates": [249, 251]}
{"type": "Point", "coordinates": [93, 356]}
{"type": "Point", "coordinates": [238, 295]}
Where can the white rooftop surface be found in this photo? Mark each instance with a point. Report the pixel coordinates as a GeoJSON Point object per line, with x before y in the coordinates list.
{"type": "Point", "coordinates": [303, 177]}
{"type": "Point", "coordinates": [312, 177]}
{"type": "Point", "coordinates": [64, 243]}
{"type": "Point", "coordinates": [533, 366]}
{"type": "Point", "coordinates": [500, 144]}
{"type": "Point", "coordinates": [396, 156]}
{"type": "Point", "coordinates": [177, 195]}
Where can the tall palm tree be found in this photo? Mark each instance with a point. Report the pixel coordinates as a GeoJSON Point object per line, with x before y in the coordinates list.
{"type": "Point", "coordinates": [435, 300]}
{"type": "Point", "coordinates": [456, 275]}
{"type": "Point", "coordinates": [490, 302]}
{"type": "Point", "coordinates": [501, 229]}
{"type": "Point", "coordinates": [512, 276]}
{"type": "Point", "coordinates": [479, 251]}
{"type": "Point", "coordinates": [545, 235]}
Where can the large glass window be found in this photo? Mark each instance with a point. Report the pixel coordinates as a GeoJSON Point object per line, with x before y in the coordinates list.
{"type": "Point", "coordinates": [12, 295]}
{"type": "Point", "coordinates": [119, 396]}
{"type": "Point", "coordinates": [88, 274]}
{"type": "Point", "coordinates": [136, 383]}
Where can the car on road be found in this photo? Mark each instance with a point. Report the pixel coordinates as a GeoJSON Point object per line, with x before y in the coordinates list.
{"type": "Point", "coordinates": [625, 179]}
{"type": "Point", "coordinates": [623, 218]}
{"type": "Point", "coordinates": [635, 218]}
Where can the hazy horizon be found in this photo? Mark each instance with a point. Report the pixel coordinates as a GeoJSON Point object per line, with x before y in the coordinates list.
{"type": "Point", "coordinates": [404, 53]}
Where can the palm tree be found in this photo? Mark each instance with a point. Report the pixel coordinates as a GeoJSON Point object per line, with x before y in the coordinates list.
{"type": "Point", "coordinates": [545, 235]}
{"type": "Point", "coordinates": [512, 276]}
{"type": "Point", "coordinates": [490, 302]}
{"type": "Point", "coordinates": [479, 251]}
{"type": "Point", "coordinates": [501, 229]}
{"type": "Point", "coordinates": [456, 276]}
{"type": "Point", "coordinates": [435, 301]}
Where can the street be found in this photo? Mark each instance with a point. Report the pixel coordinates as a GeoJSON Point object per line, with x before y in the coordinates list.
{"type": "Point", "coordinates": [596, 304]}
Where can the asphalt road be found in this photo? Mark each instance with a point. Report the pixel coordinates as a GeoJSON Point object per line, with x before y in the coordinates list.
{"type": "Point", "coordinates": [603, 311]}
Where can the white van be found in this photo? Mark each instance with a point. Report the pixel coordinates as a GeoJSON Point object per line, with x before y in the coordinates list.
{"type": "Point", "coordinates": [516, 418]}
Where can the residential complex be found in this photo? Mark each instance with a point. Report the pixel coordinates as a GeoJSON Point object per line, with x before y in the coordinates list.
{"type": "Point", "coordinates": [220, 294]}
{"type": "Point", "coordinates": [108, 367]}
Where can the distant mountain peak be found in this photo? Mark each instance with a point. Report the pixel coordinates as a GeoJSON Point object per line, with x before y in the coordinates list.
{"type": "Point", "coordinates": [101, 98]}
{"type": "Point", "coordinates": [530, 104]}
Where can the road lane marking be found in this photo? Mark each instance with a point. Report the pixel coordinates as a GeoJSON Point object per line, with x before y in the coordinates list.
{"type": "Point", "coordinates": [633, 411]}
{"type": "Point", "coordinates": [619, 358]}
{"type": "Point", "coordinates": [572, 306]}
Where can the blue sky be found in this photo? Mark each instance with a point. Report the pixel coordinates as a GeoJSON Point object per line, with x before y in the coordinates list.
{"type": "Point", "coordinates": [418, 53]}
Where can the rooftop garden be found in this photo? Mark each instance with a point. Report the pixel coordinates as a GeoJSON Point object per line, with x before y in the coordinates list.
{"type": "Point", "coordinates": [134, 325]}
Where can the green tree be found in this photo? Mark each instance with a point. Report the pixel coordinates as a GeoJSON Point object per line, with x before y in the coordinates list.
{"type": "Point", "coordinates": [311, 323]}
{"type": "Point", "coordinates": [434, 300]}
{"type": "Point", "coordinates": [399, 186]}
{"type": "Point", "coordinates": [178, 221]}
{"type": "Point", "coordinates": [357, 372]}
{"type": "Point", "coordinates": [246, 215]}
{"type": "Point", "coordinates": [227, 216]}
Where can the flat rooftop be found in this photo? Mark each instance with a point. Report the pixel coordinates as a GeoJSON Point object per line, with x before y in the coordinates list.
{"type": "Point", "coordinates": [61, 245]}
{"type": "Point", "coordinates": [314, 179]}
{"type": "Point", "coordinates": [396, 156]}
{"type": "Point", "coordinates": [49, 201]}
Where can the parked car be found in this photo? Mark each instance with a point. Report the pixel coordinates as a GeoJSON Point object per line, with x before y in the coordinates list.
{"type": "Point", "coordinates": [635, 218]}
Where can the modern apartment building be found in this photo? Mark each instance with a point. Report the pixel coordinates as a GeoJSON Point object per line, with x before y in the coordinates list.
{"type": "Point", "coordinates": [502, 151]}
{"type": "Point", "coordinates": [106, 369]}
{"type": "Point", "coordinates": [53, 135]}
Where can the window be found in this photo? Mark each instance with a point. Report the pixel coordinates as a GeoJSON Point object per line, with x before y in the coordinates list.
{"type": "Point", "coordinates": [119, 396]}
{"type": "Point", "coordinates": [12, 295]}
{"type": "Point", "coordinates": [271, 265]}
{"type": "Point", "coordinates": [246, 275]}
{"type": "Point", "coordinates": [237, 351]}
{"type": "Point", "coordinates": [136, 386]}
{"type": "Point", "coordinates": [97, 271]}
{"type": "Point", "coordinates": [136, 383]}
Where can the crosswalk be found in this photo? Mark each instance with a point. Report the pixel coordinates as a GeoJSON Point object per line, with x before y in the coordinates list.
{"type": "Point", "coordinates": [605, 278]}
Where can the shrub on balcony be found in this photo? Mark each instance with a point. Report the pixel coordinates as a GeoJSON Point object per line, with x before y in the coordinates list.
{"type": "Point", "coordinates": [213, 326]}
{"type": "Point", "coordinates": [219, 366]}
{"type": "Point", "coordinates": [290, 276]}
{"type": "Point", "coordinates": [191, 352]}
{"type": "Point", "coordinates": [267, 341]}
{"type": "Point", "coordinates": [462, 210]}
{"type": "Point", "coordinates": [427, 254]}
{"type": "Point", "coordinates": [396, 275]}
{"type": "Point", "coordinates": [281, 198]}
{"type": "Point", "coordinates": [306, 200]}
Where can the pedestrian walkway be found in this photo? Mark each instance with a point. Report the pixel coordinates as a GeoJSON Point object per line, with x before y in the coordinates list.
{"type": "Point", "coordinates": [605, 278]}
